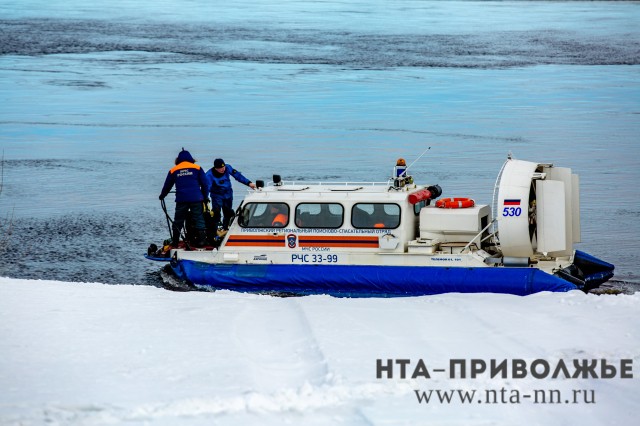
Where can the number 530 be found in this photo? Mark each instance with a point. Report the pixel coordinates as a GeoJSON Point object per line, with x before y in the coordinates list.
{"type": "Point", "coordinates": [511, 211]}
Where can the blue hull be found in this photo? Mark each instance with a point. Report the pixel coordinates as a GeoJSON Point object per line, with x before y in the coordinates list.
{"type": "Point", "coordinates": [368, 281]}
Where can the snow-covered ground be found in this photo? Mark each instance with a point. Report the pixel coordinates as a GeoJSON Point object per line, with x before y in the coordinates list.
{"type": "Point", "coordinates": [102, 354]}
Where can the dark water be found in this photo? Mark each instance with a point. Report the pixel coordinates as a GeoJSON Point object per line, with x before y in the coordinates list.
{"type": "Point", "coordinates": [205, 43]}
{"type": "Point", "coordinates": [97, 99]}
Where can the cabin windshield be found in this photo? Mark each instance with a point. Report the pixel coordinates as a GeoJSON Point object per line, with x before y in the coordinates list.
{"type": "Point", "coordinates": [264, 215]}
{"type": "Point", "coordinates": [375, 215]}
{"type": "Point", "coordinates": [319, 215]}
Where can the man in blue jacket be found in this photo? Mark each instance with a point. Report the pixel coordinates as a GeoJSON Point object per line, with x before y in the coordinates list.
{"type": "Point", "coordinates": [219, 179]}
{"type": "Point", "coordinates": [191, 190]}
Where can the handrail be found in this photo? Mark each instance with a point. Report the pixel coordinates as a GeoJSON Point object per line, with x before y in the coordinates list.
{"type": "Point", "coordinates": [478, 234]}
{"type": "Point", "coordinates": [320, 183]}
{"type": "Point", "coordinates": [494, 199]}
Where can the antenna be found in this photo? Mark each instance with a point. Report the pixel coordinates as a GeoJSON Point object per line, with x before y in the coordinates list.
{"type": "Point", "coordinates": [401, 179]}
{"type": "Point", "coordinates": [414, 162]}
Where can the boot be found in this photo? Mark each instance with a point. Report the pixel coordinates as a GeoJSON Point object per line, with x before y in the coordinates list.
{"type": "Point", "coordinates": [175, 238]}
{"type": "Point", "coordinates": [201, 239]}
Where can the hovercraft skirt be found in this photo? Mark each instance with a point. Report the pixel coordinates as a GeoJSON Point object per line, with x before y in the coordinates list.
{"type": "Point", "coordinates": [368, 280]}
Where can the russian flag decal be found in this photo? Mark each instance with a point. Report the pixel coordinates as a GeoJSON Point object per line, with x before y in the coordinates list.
{"type": "Point", "coordinates": [511, 202]}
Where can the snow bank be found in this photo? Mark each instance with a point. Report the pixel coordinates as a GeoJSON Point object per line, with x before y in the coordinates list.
{"type": "Point", "coordinates": [102, 354]}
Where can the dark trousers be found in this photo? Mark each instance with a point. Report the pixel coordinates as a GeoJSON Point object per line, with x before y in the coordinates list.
{"type": "Point", "coordinates": [188, 211]}
{"type": "Point", "coordinates": [226, 204]}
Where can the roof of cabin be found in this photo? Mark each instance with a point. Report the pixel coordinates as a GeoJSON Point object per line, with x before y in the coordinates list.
{"type": "Point", "coordinates": [333, 192]}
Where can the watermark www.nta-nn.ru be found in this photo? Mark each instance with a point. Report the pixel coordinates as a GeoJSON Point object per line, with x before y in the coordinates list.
{"type": "Point", "coordinates": [538, 369]}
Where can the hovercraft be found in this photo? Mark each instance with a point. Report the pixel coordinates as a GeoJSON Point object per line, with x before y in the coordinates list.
{"type": "Point", "coordinates": [397, 238]}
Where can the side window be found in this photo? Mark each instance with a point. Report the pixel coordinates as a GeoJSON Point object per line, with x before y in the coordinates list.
{"type": "Point", "coordinates": [378, 215]}
{"type": "Point", "coordinates": [264, 215]}
{"type": "Point", "coordinates": [319, 215]}
{"type": "Point", "coordinates": [419, 205]}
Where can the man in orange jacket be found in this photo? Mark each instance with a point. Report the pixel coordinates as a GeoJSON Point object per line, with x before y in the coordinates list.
{"type": "Point", "coordinates": [191, 190]}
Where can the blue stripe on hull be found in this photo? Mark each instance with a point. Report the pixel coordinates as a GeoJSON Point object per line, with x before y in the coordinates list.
{"type": "Point", "coordinates": [367, 280]}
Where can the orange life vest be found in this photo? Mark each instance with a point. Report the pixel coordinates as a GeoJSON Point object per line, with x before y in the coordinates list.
{"type": "Point", "coordinates": [280, 220]}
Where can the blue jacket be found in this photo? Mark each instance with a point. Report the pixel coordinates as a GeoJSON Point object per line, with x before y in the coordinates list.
{"type": "Point", "coordinates": [220, 186]}
{"type": "Point", "coordinates": [189, 179]}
